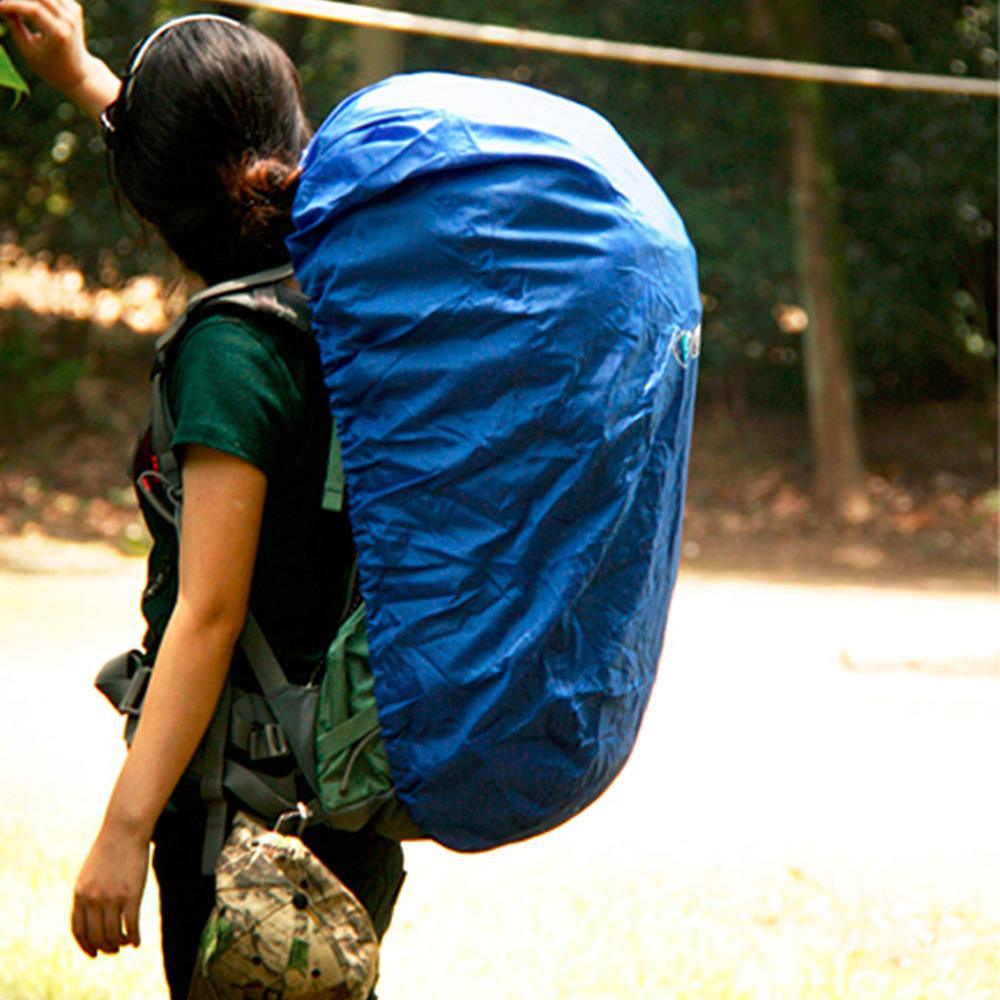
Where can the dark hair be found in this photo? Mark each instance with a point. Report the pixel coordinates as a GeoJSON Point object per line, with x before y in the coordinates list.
{"type": "Point", "coordinates": [204, 142]}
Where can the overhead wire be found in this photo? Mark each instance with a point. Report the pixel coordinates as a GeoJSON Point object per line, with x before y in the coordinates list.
{"type": "Point", "coordinates": [530, 39]}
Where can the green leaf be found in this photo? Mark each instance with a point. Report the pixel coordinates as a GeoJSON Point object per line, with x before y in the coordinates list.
{"type": "Point", "coordinates": [9, 76]}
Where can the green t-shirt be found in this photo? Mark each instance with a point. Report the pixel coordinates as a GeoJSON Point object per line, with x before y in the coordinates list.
{"type": "Point", "coordinates": [253, 388]}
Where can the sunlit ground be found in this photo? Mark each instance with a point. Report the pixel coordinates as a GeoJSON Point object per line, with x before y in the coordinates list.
{"type": "Point", "coordinates": [811, 811]}
{"type": "Point", "coordinates": [59, 288]}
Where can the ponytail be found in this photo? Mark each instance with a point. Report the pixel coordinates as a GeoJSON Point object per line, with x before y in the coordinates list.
{"type": "Point", "coordinates": [261, 191]}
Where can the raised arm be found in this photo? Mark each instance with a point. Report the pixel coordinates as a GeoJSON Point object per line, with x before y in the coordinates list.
{"type": "Point", "coordinates": [50, 36]}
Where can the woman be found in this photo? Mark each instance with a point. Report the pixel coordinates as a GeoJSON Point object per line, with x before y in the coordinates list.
{"type": "Point", "coordinates": [204, 134]}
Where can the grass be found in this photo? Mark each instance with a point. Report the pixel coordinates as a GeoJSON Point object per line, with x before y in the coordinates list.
{"type": "Point", "coordinates": [505, 934]}
{"type": "Point", "coordinates": [570, 935]}
{"type": "Point", "coordinates": [686, 911]}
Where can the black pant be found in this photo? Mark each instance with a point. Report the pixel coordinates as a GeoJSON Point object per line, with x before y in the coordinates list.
{"type": "Point", "coordinates": [369, 865]}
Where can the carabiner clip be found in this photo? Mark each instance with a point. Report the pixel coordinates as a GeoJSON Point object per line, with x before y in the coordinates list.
{"type": "Point", "coordinates": [294, 821]}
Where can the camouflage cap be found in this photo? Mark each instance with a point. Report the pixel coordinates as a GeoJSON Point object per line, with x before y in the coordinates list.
{"type": "Point", "coordinates": [284, 926]}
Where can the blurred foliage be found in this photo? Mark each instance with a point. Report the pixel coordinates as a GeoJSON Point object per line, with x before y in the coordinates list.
{"type": "Point", "coordinates": [38, 372]}
{"type": "Point", "coordinates": [9, 76]}
{"type": "Point", "coordinates": [917, 172]}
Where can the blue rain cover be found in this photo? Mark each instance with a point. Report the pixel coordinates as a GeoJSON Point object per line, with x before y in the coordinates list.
{"type": "Point", "coordinates": [508, 314]}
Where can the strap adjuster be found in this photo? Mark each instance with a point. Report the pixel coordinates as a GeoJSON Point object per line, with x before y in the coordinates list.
{"type": "Point", "coordinates": [131, 703]}
{"type": "Point", "coordinates": [268, 741]}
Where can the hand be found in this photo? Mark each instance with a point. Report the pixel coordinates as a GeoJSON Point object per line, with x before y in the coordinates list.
{"type": "Point", "coordinates": [50, 36]}
{"type": "Point", "coordinates": [108, 893]}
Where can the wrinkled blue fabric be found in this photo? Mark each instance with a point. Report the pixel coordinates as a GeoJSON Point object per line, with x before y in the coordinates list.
{"type": "Point", "coordinates": [508, 316]}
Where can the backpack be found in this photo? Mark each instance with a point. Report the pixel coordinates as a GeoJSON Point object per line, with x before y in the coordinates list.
{"type": "Point", "coordinates": [508, 316]}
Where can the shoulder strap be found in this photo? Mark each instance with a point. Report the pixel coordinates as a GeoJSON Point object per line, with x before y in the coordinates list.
{"type": "Point", "coordinates": [263, 293]}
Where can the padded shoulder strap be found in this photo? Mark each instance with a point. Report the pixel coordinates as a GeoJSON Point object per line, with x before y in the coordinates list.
{"type": "Point", "coordinates": [263, 293]}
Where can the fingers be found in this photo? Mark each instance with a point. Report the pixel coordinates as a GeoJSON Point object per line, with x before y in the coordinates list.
{"type": "Point", "coordinates": [131, 921]}
{"type": "Point", "coordinates": [45, 13]}
{"type": "Point", "coordinates": [98, 928]}
{"type": "Point", "coordinates": [19, 27]}
{"type": "Point", "coordinates": [79, 926]}
{"type": "Point", "coordinates": [111, 917]}
{"type": "Point", "coordinates": [30, 17]}
{"type": "Point", "coordinates": [94, 920]}
{"type": "Point", "coordinates": [37, 22]}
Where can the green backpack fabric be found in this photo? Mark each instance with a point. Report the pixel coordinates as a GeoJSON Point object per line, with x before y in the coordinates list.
{"type": "Point", "coordinates": [327, 733]}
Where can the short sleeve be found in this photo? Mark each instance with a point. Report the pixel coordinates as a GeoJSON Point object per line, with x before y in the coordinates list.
{"type": "Point", "coordinates": [232, 390]}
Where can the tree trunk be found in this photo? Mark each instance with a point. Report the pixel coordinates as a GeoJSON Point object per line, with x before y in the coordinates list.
{"type": "Point", "coordinates": [379, 53]}
{"type": "Point", "coordinates": [830, 391]}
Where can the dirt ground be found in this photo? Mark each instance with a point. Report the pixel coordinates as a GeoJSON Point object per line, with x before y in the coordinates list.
{"type": "Point", "coordinates": [839, 737]}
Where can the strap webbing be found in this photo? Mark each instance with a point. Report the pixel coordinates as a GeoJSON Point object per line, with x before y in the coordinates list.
{"type": "Point", "coordinates": [333, 488]}
{"type": "Point", "coordinates": [350, 731]}
{"type": "Point", "coordinates": [268, 797]}
{"type": "Point", "coordinates": [266, 668]}
{"type": "Point", "coordinates": [162, 427]}
{"type": "Point", "coordinates": [280, 697]}
{"type": "Point", "coordinates": [213, 768]}
{"type": "Point", "coordinates": [273, 276]}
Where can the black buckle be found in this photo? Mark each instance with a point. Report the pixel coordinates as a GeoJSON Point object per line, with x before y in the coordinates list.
{"type": "Point", "coordinates": [268, 741]}
{"type": "Point", "coordinates": [131, 703]}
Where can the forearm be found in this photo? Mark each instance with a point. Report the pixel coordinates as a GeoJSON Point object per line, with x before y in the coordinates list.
{"type": "Point", "coordinates": [223, 507]}
{"type": "Point", "coordinates": [95, 89]}
{"type": "Point", "coordinates": [189, 675]}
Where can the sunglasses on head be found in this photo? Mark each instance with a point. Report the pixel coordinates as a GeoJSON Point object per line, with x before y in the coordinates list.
{"type": "Point", "coordinates": [108, 119]}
